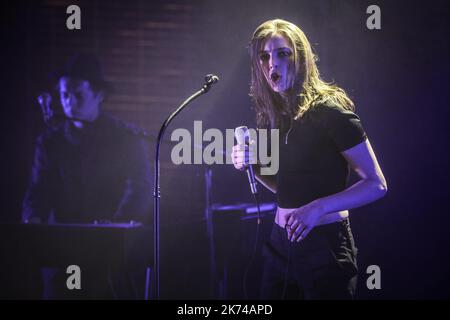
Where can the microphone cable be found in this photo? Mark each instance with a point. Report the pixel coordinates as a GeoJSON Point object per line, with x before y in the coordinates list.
{"type": "Point", "coordinates": [255, 248]}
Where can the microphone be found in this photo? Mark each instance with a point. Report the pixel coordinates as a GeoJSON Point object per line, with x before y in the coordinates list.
{"type": "Point", "coordinates": [211, 78]}
{"type": "Point", "coordinates": [243, 137]}
{"type": "Point", "coordinates": [45, 100]}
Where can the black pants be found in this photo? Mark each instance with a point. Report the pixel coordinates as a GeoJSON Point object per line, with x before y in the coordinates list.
{"type": "Point", "coordinates": [321, 266]}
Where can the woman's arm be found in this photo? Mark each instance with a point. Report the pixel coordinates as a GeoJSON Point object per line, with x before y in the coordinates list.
{"type": "Point", "coordinates": [268, 181]}
{"type": "Point", "coordinates": [371, 187]}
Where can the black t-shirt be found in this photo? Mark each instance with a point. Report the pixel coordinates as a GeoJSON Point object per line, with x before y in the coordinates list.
{"type": "Point", "coordinates": [311, 163]}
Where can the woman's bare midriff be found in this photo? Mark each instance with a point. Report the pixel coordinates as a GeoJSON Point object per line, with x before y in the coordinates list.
{"type": "Point", "coordinates": [282, 213]}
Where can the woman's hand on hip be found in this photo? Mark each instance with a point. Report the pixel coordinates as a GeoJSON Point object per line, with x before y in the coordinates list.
{"type": "Point", "coordinates": [302, 220]}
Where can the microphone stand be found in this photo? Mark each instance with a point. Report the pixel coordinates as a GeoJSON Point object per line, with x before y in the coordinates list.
{"type": "Point", "coordinates": [209, 80]}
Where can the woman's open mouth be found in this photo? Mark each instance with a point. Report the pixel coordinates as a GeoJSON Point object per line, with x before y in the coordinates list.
{"type": "Point", "coordinates": [275, 77]}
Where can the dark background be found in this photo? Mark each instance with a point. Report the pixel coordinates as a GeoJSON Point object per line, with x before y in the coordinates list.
{"type": "Point", "coordinates": [157, 52]}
